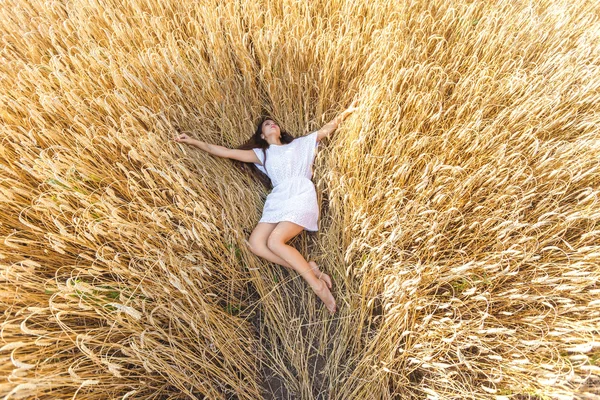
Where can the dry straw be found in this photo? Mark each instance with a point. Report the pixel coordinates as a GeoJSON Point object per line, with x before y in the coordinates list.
{"type": "Point", "coordinates": [460, 216]}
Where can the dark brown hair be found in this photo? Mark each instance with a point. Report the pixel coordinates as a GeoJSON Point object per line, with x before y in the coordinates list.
{"type": "Point", "coordinates": [256, 142]}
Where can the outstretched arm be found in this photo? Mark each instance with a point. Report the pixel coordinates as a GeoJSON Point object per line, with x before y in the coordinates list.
{"type": "Point", "coordinates": [213, 149]}
{"type": "Point", "coordinates": [334, 123]}
{"type": "Point", "coordinates": [328, 128]}
{"type": "Point", "coordinates": [219, 151]}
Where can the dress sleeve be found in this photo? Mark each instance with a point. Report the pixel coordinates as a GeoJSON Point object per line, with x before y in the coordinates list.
{"type": "Point", "coordinates": [310, 145]}
{"type": "Point", "coordinates": [310, 140]}
{"type": "Point", "coordinates": [261, 157]}
{"type": "Point", "coordinates": [313, 139]}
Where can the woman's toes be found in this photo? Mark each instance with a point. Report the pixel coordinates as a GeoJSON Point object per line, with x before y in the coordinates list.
{"type": "Point", "coordinates": [326, 279]}
{"type": "Point", "coordinates": [326, 296]}
{"type": "Point", "coordinates": [332, 306]}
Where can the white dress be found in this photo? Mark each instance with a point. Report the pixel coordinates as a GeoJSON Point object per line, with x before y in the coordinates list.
{"type": "Point", "coordinates": [294, 197]}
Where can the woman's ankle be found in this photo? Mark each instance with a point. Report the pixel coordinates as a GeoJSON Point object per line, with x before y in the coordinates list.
{"type": "Point", "coordinates": [321, 287]}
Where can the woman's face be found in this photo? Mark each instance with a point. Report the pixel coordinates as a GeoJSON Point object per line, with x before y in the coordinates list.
{"type": "Point", "coordinates": [270, 129]}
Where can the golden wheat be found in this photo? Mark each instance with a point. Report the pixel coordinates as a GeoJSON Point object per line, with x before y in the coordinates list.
{"type": "Point", "coordinates": [460, 216]}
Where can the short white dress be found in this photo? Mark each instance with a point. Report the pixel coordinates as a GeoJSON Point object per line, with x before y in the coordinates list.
{"type": "Point", "coordinates": [294, 197]}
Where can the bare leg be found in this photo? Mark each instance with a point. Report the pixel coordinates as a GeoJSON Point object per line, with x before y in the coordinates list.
{"type": "Point", "coordinates": [258, 245]}
{"type": "Point", "coordinates": [269, 255]}
{"type": "Point", "coordinates": [284, 231]}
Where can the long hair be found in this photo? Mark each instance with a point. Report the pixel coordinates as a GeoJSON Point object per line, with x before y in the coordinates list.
{"type": "Point", "coordinates": [256, 142]}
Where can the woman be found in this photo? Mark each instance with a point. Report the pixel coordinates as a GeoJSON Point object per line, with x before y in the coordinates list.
{"type": "Point", "coordinates": [292, 205]}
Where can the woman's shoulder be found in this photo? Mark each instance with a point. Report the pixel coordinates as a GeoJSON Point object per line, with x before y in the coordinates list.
{"type": "Point", "coordinates": [310, 138]}
{"type": "Point", "coordinates": [307, 137]}
{"type": "Point", "coordinates": [312, 133]}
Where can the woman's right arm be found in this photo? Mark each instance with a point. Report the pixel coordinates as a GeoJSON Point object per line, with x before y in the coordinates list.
{"type": "Point", "coordinates": [220, 151]}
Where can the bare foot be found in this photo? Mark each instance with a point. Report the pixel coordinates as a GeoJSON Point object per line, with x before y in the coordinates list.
{"type": "Point", "coordinates": [321, 275]}
{"type": "Point", "coordinates": [325, 295]}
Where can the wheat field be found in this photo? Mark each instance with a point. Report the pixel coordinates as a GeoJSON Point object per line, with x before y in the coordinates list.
{"type": "Point", "coordinates": [459, 205]}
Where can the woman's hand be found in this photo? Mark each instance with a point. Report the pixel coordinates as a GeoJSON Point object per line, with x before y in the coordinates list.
{"type": "Point", "coordinates": [344, 114]}
{"type": "Point", "coordinates": [183, 138]}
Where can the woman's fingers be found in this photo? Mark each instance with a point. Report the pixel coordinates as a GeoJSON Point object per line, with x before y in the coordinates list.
{"type": "Point", "coordinates": [180, 138]}
{"type": "Point", "coordinates": [352, 107]}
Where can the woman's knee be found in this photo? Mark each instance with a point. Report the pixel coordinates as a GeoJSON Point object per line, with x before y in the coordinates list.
{"type": "Point", "coordinates": [258, 239]}
{"type": "Point", "coordinates": [256, 247]}
{"type": "Point", "coordinates": [274, 243]}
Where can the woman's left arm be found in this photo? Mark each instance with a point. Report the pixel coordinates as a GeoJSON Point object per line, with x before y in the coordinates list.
{"type": "Point", "coordinates": [334, 123]}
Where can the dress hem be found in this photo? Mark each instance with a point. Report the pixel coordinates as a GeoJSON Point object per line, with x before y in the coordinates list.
{"type": "Point", "coordinates": [288, 220]}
